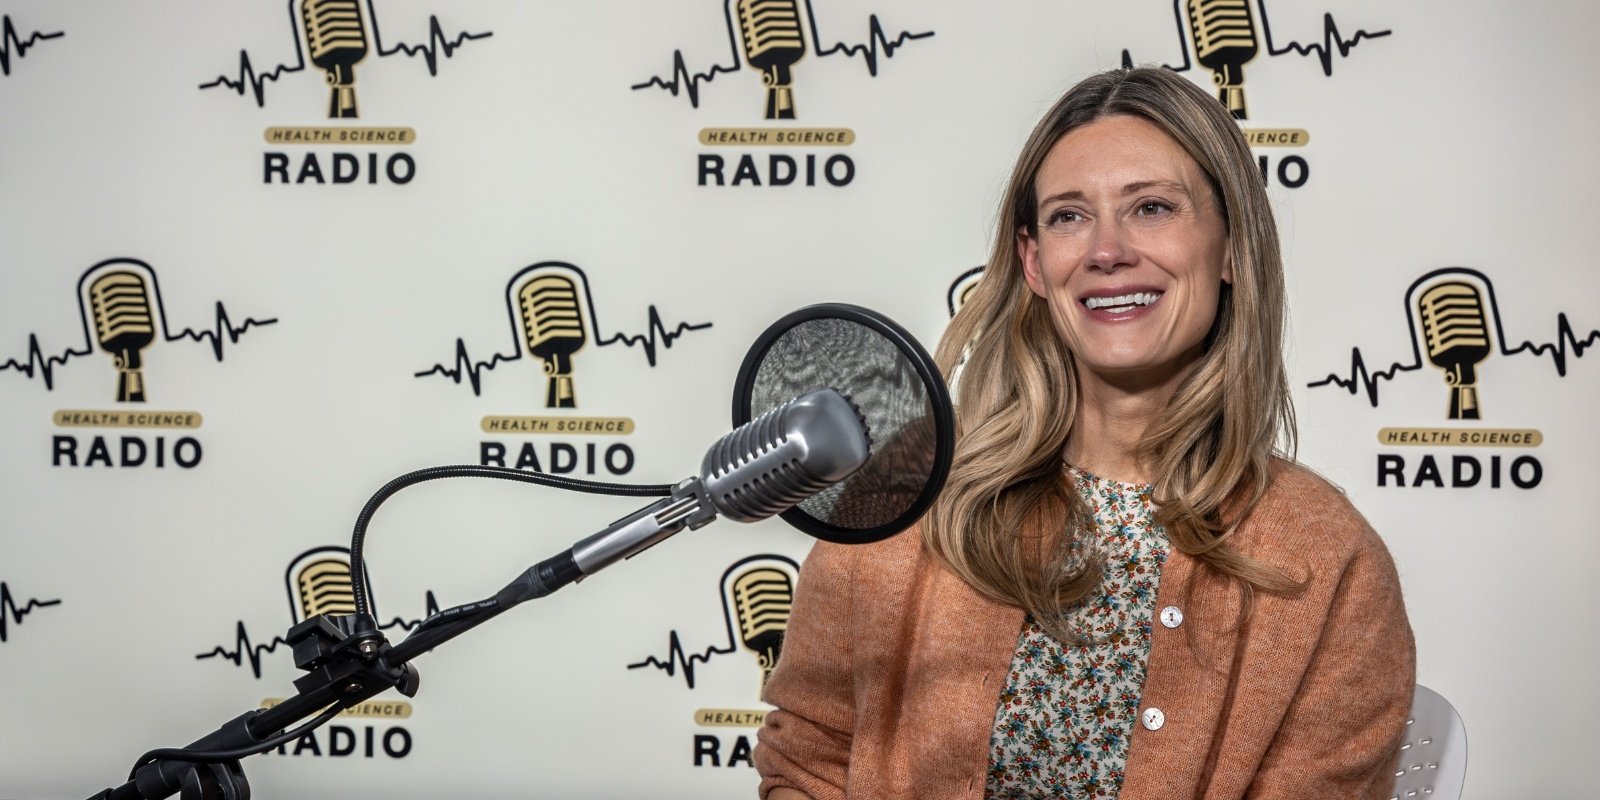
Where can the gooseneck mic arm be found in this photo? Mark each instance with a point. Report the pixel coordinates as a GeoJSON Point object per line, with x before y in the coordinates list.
{"type": "Point", "coordinates": [760, 469]}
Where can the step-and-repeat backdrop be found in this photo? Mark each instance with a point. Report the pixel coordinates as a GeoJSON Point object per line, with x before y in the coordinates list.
{"type": "Point", "coordinates": [260, 257]}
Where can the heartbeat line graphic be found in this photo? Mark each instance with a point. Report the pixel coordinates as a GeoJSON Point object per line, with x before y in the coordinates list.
{"type": "Point", "coordinates": [657, 334]}
{"type": "Point", "coordinates": [467, 368]}
{"type": "Point", "coordinates": [878, 43]}
{"type": "Point", "coordinates": [246, 650]}
{"type": "Point", "coordinates": [439, 45]}
{"type": "Point", "coordinates": [224, 327]}
{"type": "Point", "coordinates": [1363, 379]}
{"type": "Point", "coordinates": [689, 82]}
{"type": "Point", "coordinates": [1360, 379]}
{"type": "Point", "coordinates": [1332, 40]}
{"type": "Point", "coordinates": [39, 365]}
{"type": "Point", "coordinates": [12, 614]}
{"type": "Point", "coordinates": [1566, 343]}
{"type": "Point", "coordinates": [11, 43]}
{"type": "Point", "coordinates": [677, 658]}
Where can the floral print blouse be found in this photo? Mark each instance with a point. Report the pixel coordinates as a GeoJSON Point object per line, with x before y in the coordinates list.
{"type": "Point", "coordinates": [1066, 712]}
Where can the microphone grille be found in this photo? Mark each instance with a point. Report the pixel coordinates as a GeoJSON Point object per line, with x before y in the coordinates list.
{"type": "Point", "coordinates": [334, 25]}
{"type": "Point", "coordinates": [121, 305]}
{"type": "Point", "coordinates": [550, 311]}
{"type": "Point", "coordinates": [770, 25]}
{"type": "Point", "coordinates": [1452, 318]}
{"type": "Point", "coordinates": [1220, 25]}
{"type": "Point", "coordinates": [762, 598]}
{"type": "Point", "coordinates": [325, 588]}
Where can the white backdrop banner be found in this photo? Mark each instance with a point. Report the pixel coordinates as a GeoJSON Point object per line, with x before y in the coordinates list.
{"type": "Point", "coordinates": [261, 257]}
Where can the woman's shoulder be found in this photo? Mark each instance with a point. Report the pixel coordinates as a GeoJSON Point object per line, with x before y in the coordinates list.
{"type": "Point", "coordinates": [1303, 511]}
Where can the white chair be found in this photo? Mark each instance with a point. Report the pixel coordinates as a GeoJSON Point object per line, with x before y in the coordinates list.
{"type": "Point", "coordinates": [1433, 755]}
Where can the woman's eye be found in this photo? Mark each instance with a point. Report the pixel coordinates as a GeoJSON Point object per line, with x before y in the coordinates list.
{"type": "Point", "coordinates": [1152, 208]}
{"type": "Point", "coordinates": [1062, 217]}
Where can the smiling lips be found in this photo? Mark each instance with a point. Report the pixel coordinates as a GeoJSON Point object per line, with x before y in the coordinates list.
{"type": "Point", "coordinates": [1117, 305]}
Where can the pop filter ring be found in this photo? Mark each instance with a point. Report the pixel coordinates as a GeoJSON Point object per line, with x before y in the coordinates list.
{"type": "Point", "coordinates": [932, 383]}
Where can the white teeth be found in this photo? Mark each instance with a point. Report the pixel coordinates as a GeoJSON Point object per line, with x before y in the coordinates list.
{"type": "Point", "coordinates": [1135, 299]}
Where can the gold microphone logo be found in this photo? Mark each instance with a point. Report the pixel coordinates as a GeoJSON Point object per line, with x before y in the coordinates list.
{"type": "Point", "coordinates": [770, 30]}
{"type": "Point", "coordinates": [337, 42]}
{"type": "Point", "coordinates": [124, 325]}
{"type": "Point", "coordinates": [762, 597]}
{"type": "Point", "coordinates": [1456, 333]}
{"type": "Point", "coordinates": [319, 583]}
{"type": "Point", "coordinates": [552, 324]}
{"type": "Point", "coordinates": [1224, 37]}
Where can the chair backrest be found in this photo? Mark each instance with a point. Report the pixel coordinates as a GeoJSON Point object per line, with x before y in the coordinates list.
{"type": "Point", "coordinates": [1433, 755]}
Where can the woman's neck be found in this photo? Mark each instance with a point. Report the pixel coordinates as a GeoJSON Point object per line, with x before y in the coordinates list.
{"type": "Point", "coordinates": [1110, 424]}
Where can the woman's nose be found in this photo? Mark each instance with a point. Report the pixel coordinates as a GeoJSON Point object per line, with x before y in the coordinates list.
{"type": "Point", "coordinates": [1109, 249]}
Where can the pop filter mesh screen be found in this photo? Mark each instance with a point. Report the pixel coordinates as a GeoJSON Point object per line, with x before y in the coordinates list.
{"type": "Point", "coordinates": [884, 384]}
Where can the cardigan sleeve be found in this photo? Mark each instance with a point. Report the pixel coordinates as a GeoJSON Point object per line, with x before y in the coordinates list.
{"type": "Point", "coordinates": [805, 743]}
{"type": "Point", "coordinates": [1341, 734]}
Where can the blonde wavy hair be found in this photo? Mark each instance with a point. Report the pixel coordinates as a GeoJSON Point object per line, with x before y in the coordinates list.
{"type": "Point", "coordinates": [1016, 400]}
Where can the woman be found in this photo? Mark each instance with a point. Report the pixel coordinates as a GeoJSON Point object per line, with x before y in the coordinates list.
{"type": "Point", "coordinates": [1123, 591]}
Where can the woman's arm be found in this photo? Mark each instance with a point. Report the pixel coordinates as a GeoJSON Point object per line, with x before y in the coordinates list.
{"type": "Point", "coordinates": [803, 749]}
{"type": "Point", "coordinates": [1342, 732]}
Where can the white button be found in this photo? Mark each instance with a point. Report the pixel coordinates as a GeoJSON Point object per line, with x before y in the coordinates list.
{"type": "Point", "coordinates": [1171, 616]}
{"type": "Point", "coordinates": [1153, 719]}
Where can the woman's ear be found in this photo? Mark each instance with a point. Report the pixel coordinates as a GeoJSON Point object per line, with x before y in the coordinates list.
{"type": "Point", "coordinates": [1028, 252]}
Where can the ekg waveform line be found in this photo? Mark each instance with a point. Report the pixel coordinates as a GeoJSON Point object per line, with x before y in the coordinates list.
{"type": "Point", "coordinates": [1566, 344]}
{"type": "Point", "coordinates": [12, 614]}
{"type": "Point", "coordinates": [12, 44]}
{"type": "Point", "coordinates": [655, 335]}
{"type": "Point", "coordinates": [878, 43]}
{"type": "Point", "coordinates": [438, 45]}
{"type": "Point", "coordinates": [1331, 41]}
{"type": "Point", "coordinates": [244, 650]}
{"type": "Point", "coordinates": [1362, 379]}
{"type": "Point", "coordinates": [683, 80]}
{"type": "Point", "coordinates": [257, 82]}
{"type": "Point", "coordinates": [41, 365]}
{"type": "Point", "coordinates": [678, 658]}
{"type": "Point", "coordinates": [467, 368]}
{"type": "Point", "coordinates": [223, 327]}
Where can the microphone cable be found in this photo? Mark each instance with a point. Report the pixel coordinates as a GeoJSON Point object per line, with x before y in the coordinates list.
{"type": "Point", "coordinates": [358, 537]}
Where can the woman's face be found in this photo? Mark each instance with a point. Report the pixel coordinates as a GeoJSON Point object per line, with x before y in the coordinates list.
{"type": "Point", "coordinates": [1131, 251]}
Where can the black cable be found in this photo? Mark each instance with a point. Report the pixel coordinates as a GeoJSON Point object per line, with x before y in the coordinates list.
{"type": "Point", "coordinates": [357, 565]}
{"type": "Point", "coordinates": [214, 756]}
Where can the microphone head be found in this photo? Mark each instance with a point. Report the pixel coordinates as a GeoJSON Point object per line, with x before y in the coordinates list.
{"type": "Point", "coordinates": [122, 318]}
{"type": "Point", "coordinates": [762, 597]}
{"type": "Point", "coordinates": [319, 582]}
{"type": "Point", "coordinates": [770, 30]}
{"type": "Point", "coordinates": [1454, 326]}
{"type": "Point", "coordinates": [785, 456]}
{"type": "Point", "coordinates": [334, 32]}
{"type": "Point", "coordinates": [891, 381]}
{"type": "Point", "coordinates": [552, 319]}
{"type": "Point", "coordinates": [1224, 33]}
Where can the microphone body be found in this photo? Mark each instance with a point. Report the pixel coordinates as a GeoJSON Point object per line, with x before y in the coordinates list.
{"type": "Point", "coordinates": [124, 326]}
{"type": "Point", "coordinates": [1224, 37]}
{"type": "Point", "coordinates": [762, 599]}
{"type": "Point", "coordinates": [770, 30]}
{"type": "Point", "coordinates": [337, 42]}
{"type": "Point", "coordinates": [552, 324]}
{"type": "Point", "coordinates": [760, 469]}
{"type": "Point", "coordinates": [1456, 333]}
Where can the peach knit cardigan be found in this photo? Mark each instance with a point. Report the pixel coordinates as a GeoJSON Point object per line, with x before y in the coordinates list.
{"type": "Point", "coordinates": [892, 667]}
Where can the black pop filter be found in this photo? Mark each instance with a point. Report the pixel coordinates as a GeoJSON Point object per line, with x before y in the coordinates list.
{"type": "Point", "coordinates": [897, 388]}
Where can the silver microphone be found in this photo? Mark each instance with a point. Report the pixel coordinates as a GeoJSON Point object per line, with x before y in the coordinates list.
{"type": "Point", "coordinates": [762, 468]}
